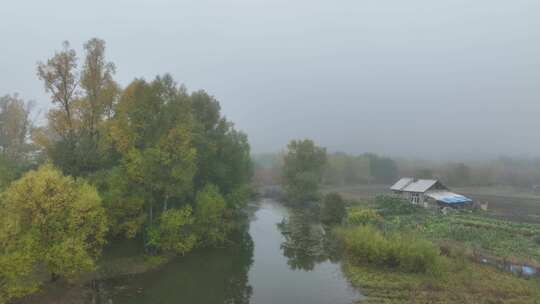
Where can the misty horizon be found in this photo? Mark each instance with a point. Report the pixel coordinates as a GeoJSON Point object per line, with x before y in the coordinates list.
{"type": "Point", "coordinates": [424, 80]}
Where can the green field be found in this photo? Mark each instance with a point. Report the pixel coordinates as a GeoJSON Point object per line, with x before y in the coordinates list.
{"type": "Point", "coordinates": [509, 203]}
{"type": "Point", "coordinates": [475, 249]}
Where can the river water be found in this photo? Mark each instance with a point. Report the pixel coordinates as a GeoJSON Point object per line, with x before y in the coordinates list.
{"type": "Point", "coordinates": [284, 257]}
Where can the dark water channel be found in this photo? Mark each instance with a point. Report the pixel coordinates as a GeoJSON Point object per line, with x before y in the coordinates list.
{"type": "Point", "coordinates": [284, 257]}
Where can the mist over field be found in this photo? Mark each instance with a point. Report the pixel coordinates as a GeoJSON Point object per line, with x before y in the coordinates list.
{"type": "Point", "coordinates": [424, 79]}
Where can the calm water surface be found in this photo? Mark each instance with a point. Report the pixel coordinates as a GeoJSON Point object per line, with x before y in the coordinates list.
{"type": "Point", "coordinates": [283, 258]}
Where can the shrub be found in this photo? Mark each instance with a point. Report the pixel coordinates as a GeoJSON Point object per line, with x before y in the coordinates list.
{"type": "Point", "coordinates": [333, 209]}
{"type": "Point", "coordinates": [174, 232]}
{"type": "Point", "coordinates": [363, 216]}
{"type": "Point", "coordinates": [366, 244]}
{"type": "Point", "coordinates": [388, 205]}
{"type": "Point", "coordinates": [210, 216]}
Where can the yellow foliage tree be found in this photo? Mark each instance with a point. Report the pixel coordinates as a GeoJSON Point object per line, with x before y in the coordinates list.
{"type": "Point", "coordinates": [51, 225]}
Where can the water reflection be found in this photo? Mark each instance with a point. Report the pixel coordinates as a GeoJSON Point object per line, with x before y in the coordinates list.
{"type": "Point", "coordinates": [271, 260]}
{"type": "Point", "coordinates": [295, 259]}
{"type": "Point", "coordinates": [305, 240]}
{"type": "Point", "coordinates": [209, 276]}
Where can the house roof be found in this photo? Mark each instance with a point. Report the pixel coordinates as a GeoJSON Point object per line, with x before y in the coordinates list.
{"type": "Point", "coordinates": [420, 185]}
{"type": "Point", "coordinates": [448, 197]}
{"type": "Point", "coordinates": [402, 183]}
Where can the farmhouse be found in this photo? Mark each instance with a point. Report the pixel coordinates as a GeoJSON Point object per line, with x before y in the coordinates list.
{"type": "Point", "coordinates": [429, 192]}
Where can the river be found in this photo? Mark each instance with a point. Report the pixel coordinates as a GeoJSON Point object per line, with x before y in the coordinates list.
{"type": "Point", "coordinates": [284, 257]}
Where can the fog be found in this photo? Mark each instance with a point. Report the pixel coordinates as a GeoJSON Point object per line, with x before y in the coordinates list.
{"type": "Point", "coordinates": [429, 79]}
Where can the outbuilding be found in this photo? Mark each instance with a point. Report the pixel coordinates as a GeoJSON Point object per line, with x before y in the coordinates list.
{"type": "Point", "coordinates": [429, 192]}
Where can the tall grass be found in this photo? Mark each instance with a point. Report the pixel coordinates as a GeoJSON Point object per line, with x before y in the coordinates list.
{"type": "Point", "coordinates": [367, 245]}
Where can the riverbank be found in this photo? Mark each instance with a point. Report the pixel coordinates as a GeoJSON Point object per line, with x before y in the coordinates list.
{"type": "Point", "coordinates": [83, 289]}
{"type": "Point", "coordinates": [466, 283]}
{"type": "Point", "coordinates": [283, 256]}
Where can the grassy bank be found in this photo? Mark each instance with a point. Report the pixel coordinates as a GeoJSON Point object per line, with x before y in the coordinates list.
{"type": "Point", "coordinates": [469, 283]}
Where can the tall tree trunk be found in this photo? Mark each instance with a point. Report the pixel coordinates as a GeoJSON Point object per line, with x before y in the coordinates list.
{"type": "Point", "coordinates": [151, 215]}
{"type": "Point", "coordinates": [165, 203]}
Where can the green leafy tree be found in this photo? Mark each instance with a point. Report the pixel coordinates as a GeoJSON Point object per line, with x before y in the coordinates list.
{"type": "Point", "coordinates": [302, 170]}
{"type": "Point", "coordinates": [223, 153]}
{"type": "Point", "coordinates": [211, 216]}
{"type": "Point", "coordinates": [174, 232]}
{"type": "Point", "coordinates": [124, 204]}
{"type": "Point", "coordinates": [152, 130]}
{"type": "Point", "coordinates": [51, 224]}
{"type": "Point", "coordinates": [333, 209]}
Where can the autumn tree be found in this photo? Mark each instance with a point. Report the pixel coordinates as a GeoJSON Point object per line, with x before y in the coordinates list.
{"type": "Point", "coordinates": [148, 148]}
{"type": "Point", "coordinates": [61, 80]}
{"type": "Point", "coordinates": [302, 170]}
{"type": "Point", "coordinates": [15, 146]}
{"type": "Point", "coordinates": [152, 131]}
{"type": "Point", "coordinates": [15, 126]}
{"type": "Point", "coordinates": [100, 89]}
{"type": "Point", "coordinates": [51, 224]}
{"type": "Point", "coordinates": [85, 99]}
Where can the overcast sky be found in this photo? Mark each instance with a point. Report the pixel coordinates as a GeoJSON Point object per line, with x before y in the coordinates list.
{"type": "Point", "coordinates": [417, 78]}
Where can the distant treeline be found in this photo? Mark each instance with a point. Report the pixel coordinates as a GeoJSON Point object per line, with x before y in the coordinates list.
{"type": "Point", "coordinates": [507, 171]}
{"type": "Point", "coordinates": [340, 169]}
{"type": "Point", "coordinates": [346, 169]}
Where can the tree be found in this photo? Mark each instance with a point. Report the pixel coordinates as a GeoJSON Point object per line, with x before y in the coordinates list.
{"type": "Point", "coordinates": [223, 153]}
{"type": "Point", "coordinates": [174, 232]}
{"type": "Point", "coordinates": [51, 223]}
{"type": "Point", "coordinates": [15, 127]}
{"type": "Point", "coordinates": [302, 170]}
{"type": "Point", "coordinates": [100, 88]}
{"type": "Point", "coordinates": [86, 99]}
{"type": "Point", "coordinates": [152, 131]}
{"type": "Point", "coordinates": [15, 147]}
{"type": "Point", "coordinates": [332, 209]}
{"type": "Point", "coordinates": [61, 80]}
{"type": "Point", "coordinates": [123, 202]}
{"type": "Point", "coordinates": [211, 216]}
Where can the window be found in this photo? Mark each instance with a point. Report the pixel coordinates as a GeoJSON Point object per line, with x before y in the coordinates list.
{"type": "Point", "coordinates": [415, 198]}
